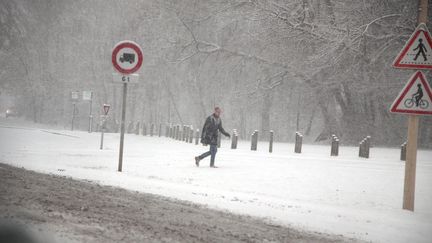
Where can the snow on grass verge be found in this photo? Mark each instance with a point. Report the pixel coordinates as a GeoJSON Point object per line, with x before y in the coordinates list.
{"type": "Point", "coordinates": [346, 195]}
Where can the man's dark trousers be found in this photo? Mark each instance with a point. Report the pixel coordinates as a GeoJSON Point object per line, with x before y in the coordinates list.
{"type": "Point", "coordinates": [212, 152]}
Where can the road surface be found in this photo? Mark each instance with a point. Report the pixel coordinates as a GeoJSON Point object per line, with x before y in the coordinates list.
{"type": "Point", "coordinates": [60, 209]}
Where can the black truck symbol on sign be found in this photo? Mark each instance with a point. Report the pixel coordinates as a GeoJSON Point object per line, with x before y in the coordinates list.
{"type": "Point", "coordinates": [127, 57]}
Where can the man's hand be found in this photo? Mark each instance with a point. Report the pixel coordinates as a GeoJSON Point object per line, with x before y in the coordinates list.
{"type": "Point", "coordinates": [228, 135]}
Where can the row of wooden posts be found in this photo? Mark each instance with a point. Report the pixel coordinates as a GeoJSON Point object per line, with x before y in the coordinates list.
{"type": "Point", "coordinates": [175, 132]}
{"type": "Point", "coordinates": [187, 134]}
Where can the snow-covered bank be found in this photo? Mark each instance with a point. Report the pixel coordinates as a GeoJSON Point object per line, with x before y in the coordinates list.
{"type": "Point", "coordinates": [345, 195]}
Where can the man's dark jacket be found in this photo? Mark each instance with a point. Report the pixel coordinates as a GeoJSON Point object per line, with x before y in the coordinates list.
{"type": "Point", "coordinates": [210, 130]}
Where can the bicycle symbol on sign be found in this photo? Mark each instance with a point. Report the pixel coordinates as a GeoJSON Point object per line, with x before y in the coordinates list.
{"type": "Point", "coordinates": [409, 103]}
{"type": "Point", "coordinates": [416, 99]}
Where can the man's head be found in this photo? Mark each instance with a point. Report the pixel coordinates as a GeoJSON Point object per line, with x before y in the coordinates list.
{"type": "Point", "coordinates": [420, 40]}
{"type": "Point", "coordinates": [419, 85]}
{"type": "Point", "coordinates": [217, 111]}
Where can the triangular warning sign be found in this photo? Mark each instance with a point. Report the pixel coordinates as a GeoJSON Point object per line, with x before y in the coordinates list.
{"type": "Point", "coordinates": [417, 52]}
{"type": "Point", "coordinates": [106, 108]}
{"type": "Point", "coordinates": [415, 98]}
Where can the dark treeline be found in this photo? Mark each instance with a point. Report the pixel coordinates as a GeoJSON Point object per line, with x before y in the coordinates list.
{"type": "Point", "coordinates": [320, 67]}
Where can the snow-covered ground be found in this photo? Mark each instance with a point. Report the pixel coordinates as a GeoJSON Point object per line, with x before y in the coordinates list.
{"type": "Point", "coordinates": [347, 195]}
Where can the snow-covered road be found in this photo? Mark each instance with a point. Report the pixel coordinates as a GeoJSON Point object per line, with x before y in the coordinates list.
{"type": "Point", "coordinates": [346, 195]}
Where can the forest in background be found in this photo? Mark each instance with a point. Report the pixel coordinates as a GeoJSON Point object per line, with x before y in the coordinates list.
{"type": "Point", "coordinates": [320, 67]}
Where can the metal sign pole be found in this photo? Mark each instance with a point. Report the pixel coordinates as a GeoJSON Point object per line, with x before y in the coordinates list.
{"type": "Point", "coordinates": [103, 124]}
{"type": "Point", "coordinates": [122, 131]}
{"type": "Point", "coordinates": [102, 136]}
{"type": "Point", "coordinates": [91, 116]}
{"type": "Point", "coordinates": [73, 116]}
{"type": "Point", "coordinates": [124, 54]}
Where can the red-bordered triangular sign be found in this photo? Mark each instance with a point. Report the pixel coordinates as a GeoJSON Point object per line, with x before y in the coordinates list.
{"type": "Point", "coordinates": [106, 108]}
{"type": "Point", "coordinates": [415, 97]}
{"type": "Point", "coordinates": [417, 52]}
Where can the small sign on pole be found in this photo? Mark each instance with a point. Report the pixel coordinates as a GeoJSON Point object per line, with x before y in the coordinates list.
{"type": "Point", "coordinates": [417, 52]}
{"type": "Point", "coordinates": [106, 108]}
{"type": "Point", "coordinates": [127, 58]}
{"type": "Point", "coordinates": [87, 95]}
{"type": "Point", "coordinates": [103, 123]}
{"type": "Point", "coordinates": [75, 96]}
{"type": "Point", "coordinates": [415, 98]}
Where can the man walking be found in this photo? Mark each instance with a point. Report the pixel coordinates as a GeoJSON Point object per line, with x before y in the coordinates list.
{"type": "Point", "coordinates": [209, 135]}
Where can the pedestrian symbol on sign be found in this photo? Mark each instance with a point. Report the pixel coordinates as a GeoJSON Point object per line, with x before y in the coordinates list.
{"type": "Point", "coordinates": [421, 50]}
{"type": "Point", "coordinates": [417, 52]}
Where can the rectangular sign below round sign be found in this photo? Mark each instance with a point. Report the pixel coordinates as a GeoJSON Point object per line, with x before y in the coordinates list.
{"type": "Point", "coordinates": [75, 95]}
{"type": "Point", "coordinates": [129, 79]}
{"type": "Point", "coordinates": [87, 95]}
{"type": "Point", "coordinates": [415, 98]}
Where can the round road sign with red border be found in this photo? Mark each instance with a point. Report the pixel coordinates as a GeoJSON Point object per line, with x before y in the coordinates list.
{"type": "Point", "coordinates": [127, 57]}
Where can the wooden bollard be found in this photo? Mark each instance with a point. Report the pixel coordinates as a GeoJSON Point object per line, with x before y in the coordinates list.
{"type": "Point", "coordinates": [183, 133]}
{"type": "Point", "coordinates": [187, 132]}
{"type": "Point", "coordinates": [137, 128]}
{"type": "Point", "coordinates": [271, 142]}
{"type": "Point", "coordinates": [144, 129]}
{"type": "Point", "coordinates": [177, 132]}
{"type": "Point", "coordinates": [160, 130]}
{"type": "Point", "coordinates": [191, 134]}
{"type": "Point", "coordinates": [364, 147]}
{"type": "Point", "coordinates": [234, 139]}
{"type": "Point", "coordinates": [254, 140]}
{"type": "Point", "coordinates": [197, 137]}
{"type": "Point", "coordinates": [151, 129]}
{"type": "Point", "coordinates": [334, 146]}
{"type": "Point", "coordinates": [170, 132]}
{"type": "Point", "coordinates": [298, 143]}
{"type": "Point", "coordinates": [219, 139]}
{"type": "Point", "coordinates": [167, 130]}
{"type": "Point", "coordinates": [368, 144]}
{"type": "Point", "coordinates": [403, 151]}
